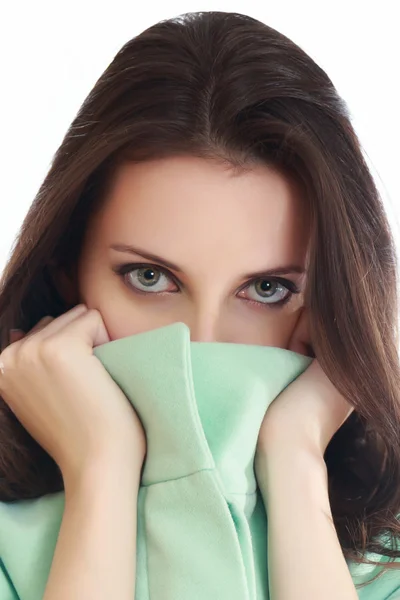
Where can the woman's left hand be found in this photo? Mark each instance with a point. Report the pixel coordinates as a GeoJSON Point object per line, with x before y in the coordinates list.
{"type": "Point", "coordinates": [306, 414]}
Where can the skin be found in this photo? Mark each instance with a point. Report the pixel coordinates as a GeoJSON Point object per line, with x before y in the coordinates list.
{"type": "Point", "coordinates": [217, 227]}
{"type": "Point", "coordinates": [68, 402]}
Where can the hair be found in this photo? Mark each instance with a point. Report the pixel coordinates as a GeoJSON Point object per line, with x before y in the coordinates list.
{"type": "Point", "coordinates": [227, 87]}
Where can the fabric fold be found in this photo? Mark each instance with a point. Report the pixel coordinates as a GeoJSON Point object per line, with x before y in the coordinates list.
{"type": "Point", "coordinates": [202, 525]}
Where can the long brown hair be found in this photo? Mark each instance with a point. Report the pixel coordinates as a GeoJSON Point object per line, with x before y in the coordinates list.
{"type": "Point", "coordinates": [226, 86]}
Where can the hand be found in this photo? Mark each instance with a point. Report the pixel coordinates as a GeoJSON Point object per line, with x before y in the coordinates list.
{"type": "Point", "coordinates": [64, 397]}
{"type": "Point", "coordinates": [307, 413]}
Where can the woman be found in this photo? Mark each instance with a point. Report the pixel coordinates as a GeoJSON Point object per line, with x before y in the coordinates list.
{"type": "Point", "coordinates": [215, 142]}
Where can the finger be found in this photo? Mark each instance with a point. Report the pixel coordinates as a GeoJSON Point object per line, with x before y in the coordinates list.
{"type": "Point", "coordinates": [89, 326]}
{"type": "Point", "coordinates": [39, 326]}
{"type": "Point", "coordinates": [49, 326]}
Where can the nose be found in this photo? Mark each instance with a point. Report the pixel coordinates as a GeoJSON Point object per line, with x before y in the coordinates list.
{"type": "Point", "coordinates": [204, 332]}
{"type": "Point", "coordinates": [206, 327]}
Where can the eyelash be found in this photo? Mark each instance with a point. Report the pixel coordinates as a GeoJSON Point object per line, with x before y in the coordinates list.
{"type": "Point", "coordinates": [124, 269]}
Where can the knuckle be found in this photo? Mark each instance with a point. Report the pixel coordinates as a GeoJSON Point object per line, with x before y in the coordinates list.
{"type": "Point", "coordinates": [27, 354]}
{"type": "Point", "coordinates": [7, 367]}
{"type": "Point", "coordinates": [28, 345]}
{"type": "Point", "coordinates": [51, 350]}
{"type": "Point", "coordinates": [7, 359]}
{"type": "Point", "coordinates": [6, 354]}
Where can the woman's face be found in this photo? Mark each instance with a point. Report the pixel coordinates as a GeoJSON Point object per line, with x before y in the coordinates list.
{"type": "Point", "coordinates": [185, 239]}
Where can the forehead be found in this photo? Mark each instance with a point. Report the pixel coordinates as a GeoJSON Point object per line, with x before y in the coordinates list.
{"type": "Point", "coordinates": [189, 203]}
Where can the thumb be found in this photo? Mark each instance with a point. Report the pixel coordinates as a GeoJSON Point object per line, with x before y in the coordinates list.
{"type": "Point", "coordinates": [91, 325]}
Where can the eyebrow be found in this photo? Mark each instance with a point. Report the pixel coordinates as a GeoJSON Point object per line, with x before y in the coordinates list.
{"type": "Point", "coordinates": [281, 270]}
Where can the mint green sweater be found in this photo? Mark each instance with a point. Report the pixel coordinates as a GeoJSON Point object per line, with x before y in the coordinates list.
{"type": "Point", "coordinates": [202, 525]}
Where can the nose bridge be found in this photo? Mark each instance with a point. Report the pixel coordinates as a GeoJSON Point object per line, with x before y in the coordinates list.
{"type": "Point", "coordinates": [206, 320]}
{"type": "Point", "coordinates": [204, 328]}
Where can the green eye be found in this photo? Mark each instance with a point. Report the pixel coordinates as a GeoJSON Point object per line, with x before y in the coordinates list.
{"type": "Point", "coordinates": [272, 291]}
{"type": "Point", "coordinates": [150, 279]}
{"type": "Point", "coordinates": [147, 279]}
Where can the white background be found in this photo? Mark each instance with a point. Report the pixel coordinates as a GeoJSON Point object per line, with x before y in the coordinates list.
{"type": "Point", "coordinates": [52, 53]}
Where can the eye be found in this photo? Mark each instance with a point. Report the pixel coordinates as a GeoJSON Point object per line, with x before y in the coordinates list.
{"type": "Point", "coordinates": [150, 279]}
{"type": "Point", "coordinates": [145, 278]}
{"type": "Point", "coordinates": [272, 291]}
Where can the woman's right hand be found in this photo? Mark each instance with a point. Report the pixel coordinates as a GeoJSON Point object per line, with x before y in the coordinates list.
{"type": "Point", "coordinates": [64, 397]}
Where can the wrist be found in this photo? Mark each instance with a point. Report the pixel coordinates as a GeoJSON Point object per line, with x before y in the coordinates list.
{"type": "Point", "coordinates": [276, 438]}
{"type": "Point", "coordinates": [104, 469]}
{"type": "Point", "coordinates": [288, 464]}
